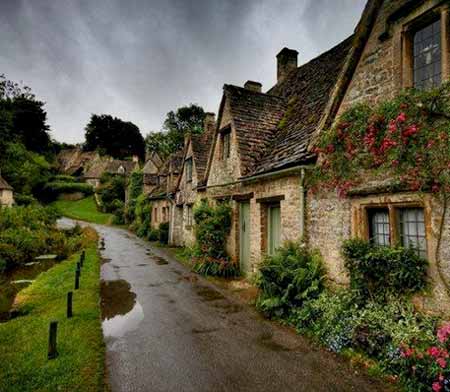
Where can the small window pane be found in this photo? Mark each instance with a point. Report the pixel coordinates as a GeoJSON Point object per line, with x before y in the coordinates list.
{"type": "Point", "coordinates": [427, 56]}
{"type": "Point", "coordinates": [379, 227]}
{"type": "Point", "coordinates": [412, 229]}
{"type": "Point", "coordinates": [226, 145]}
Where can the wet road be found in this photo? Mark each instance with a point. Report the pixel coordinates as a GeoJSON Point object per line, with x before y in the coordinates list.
{"type": "Point", "coordinates": [167, 330]}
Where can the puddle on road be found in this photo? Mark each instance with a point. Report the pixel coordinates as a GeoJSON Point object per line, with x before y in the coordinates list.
{"type": "Point", "coordinates": [159, 260]}
{"type": "Point", "coordinates": [120, 310]}
{"type": "Point", "coordinates": [208, 294]}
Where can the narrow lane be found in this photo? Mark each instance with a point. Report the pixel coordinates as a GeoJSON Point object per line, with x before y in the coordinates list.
{"type": "Point", "coordinates": [168, 330]}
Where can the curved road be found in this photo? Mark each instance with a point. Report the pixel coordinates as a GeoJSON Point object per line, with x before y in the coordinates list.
{"type": "Point", "coordinates": [168, 330]}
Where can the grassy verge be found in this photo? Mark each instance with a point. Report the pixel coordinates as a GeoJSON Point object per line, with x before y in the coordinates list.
{"type": "Point", "coordinates": [84, 209]}
{"type": "Point", "coordinates": [23, 341]}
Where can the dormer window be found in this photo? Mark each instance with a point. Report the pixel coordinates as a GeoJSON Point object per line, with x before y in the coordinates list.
{"type": "Point", "coordinates": [427, 55]}
{"type": "Point", "coordinates": [188, 163]}
{"type": "Point", "coordinates": [226, 143]}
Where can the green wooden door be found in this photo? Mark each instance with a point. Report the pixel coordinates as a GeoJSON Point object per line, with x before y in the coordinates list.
{"type": "Point", "coordinates": [273, 228]}
{"type": "Point", "coordinates": [244, 237]}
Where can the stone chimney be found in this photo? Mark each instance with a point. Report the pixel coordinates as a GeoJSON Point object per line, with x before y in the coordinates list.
{"type": "Point", "coordinates": [209, 122]}
{"type": "Point", "coordinates": [253, 86]}
{"type": "Point", "coordinates": [286, 62]}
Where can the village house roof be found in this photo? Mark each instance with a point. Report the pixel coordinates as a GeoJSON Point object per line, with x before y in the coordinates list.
{"type": "Point", "coordinates": [306, 92]}
{"type": "Point", "coordinates": [96, 169]}
{"type": "Point", "coordinates": [171, 166]}
{"type": "Point", "coordinates": [4, 185]}
{"type": "Point", "coordinates": [255, 118]}
{"type": "Point", "coordinates": [74, 160]}
{"type": "Point", "coordinates": [114, 167]}
{"type": "Point", "coordinates": [201, 145]}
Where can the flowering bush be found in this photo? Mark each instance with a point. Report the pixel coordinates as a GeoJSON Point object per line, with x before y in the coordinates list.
{"type": "Point", "coordinates": [427, 368]}
{"type": "Point", "coordinates": [408, 138]}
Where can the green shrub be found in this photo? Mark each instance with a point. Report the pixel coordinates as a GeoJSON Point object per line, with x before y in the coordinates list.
{"type": "Point", "coordinates": [63, 178]}
{"type": "Point", "coordinates": [209, 266]}
{"type": "Point", "coordinates": [376, 329]}
{"type": "Point", "coordinates": [112, 187]}
{"type": "Point", "coordinates": [53, 189]}
{"type": "Point", "coordinates": [136, 184]}
{"type": "Point", "coordinates": [142, 216]}
{"type": "Point", "coordinates": [153, 235]}
{"type": "Point", "coordinates": [212, 226]}
{"type": "Point", "coordinates": [289, 278]}
{"type": "Point", "coordinates": [377, 271]}
{"type": "Point", "coordinates": [27, 232]}
{"type": "Point", "coordinates": [23, 200]}
{"type": "Point", "coordinates": [164, 233]}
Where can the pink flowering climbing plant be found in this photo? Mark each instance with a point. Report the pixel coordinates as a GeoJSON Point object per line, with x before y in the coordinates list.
{"type": "Point", "coordinates": [406, 139]}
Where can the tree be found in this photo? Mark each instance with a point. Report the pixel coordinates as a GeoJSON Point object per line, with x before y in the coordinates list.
{"type": "Point", "coordinates": [22, 117]}
{"type": "Point", "coordinates": [114, 137]}
{"type": "Point", "coordinates": [186, 119]}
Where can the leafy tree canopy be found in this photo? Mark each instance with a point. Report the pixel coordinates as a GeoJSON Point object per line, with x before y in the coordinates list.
{"type": "Point", "coordinates": [186, 119]}
{"type": "Point", "coordinates": [22, 117]}
{"type": "Point", "coordinates": [113, 136]}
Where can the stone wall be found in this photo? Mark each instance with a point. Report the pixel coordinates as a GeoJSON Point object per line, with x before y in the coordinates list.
{"type": "Point", "coordinates": [385, 66]}
{"type": "Point", "coordinates": [159, 205]}
{"type": "Point", "coordinates": [6, 198]}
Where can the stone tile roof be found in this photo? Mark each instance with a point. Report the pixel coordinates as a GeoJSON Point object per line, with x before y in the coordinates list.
{"type": "Point", "coordinates": [201, 146]}
{"type": "Point", "coordinates": [71, 161]}
{"type": "Point", "coordinates": [114, 165]}
{"type": "Point", "coordinates": [306, 92]}
{"type": "Point", "coordinates": [96, 169]}
{"type": "Point", "coordinates": [255, 118]}
{"type": "Point", "coordinates": [4, 185]}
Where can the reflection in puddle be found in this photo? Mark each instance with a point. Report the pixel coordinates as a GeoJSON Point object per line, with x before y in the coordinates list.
{"type": "Point", "coordinates": [159, 260]}
{"type": "Point", "coordinates": [120, 310]}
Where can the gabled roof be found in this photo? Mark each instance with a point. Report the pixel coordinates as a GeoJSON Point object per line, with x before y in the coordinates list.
{"type": "Point", "coordinates": [201, 145]}
{"type": "Point", "coordinates": [96, 169]}
{"type": "Point", "coordinates": [306, 92]}
{"type": "Point", "coordinates": [4, 185]}
{"type": "Point", "coordinates": [255, 117]}
{"type": "Point", "coordinates": [114, 166]}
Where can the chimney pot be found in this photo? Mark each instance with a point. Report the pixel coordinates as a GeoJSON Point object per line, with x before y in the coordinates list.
{"type": "Point", "coordinates": [286, 62]}
{"type": "Point", "coordinates": [253, 86]}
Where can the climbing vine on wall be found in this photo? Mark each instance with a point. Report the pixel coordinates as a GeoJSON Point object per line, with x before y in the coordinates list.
{"type": "Point", "coordinates": [406, 139]}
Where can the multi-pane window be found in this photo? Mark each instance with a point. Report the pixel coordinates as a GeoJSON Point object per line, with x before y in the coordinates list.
{"type": "Point", "coordinates": [189, 169]}
{"type": "Point", "coordinates": [226, 144]}
{"type": "Point", "coordinates": [427, 56]}
{"type": "Point", "coordinates": [412, 229]}
{"type": "Point", "coordinates": [189, 216]}
{"type": "Point", "coordinates": [408, 231]}
{"type": "Point", "coordinates": [379, 227]}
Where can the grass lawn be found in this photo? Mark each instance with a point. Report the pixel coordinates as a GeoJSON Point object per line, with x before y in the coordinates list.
{"type": "Point", "coordinates": [24, 340]}
{"type": "Point", "coordinates": [84, 209]}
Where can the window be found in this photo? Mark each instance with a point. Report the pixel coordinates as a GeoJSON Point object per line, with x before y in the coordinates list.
{"type": "Point", "coordinates": [189, 169]}
{"type": "Point", "coordinates": [155, 214]}
{"type": "Point", "coordinates": [427, 56]}
{"type": "Point", "coordinates": [402, 225]}
{"type": "Point", "coordinates": [226, 144]}
{"type": "Point", "coordinates": [189, 216]}
{"type": "Point", "coordinates": [412, 229]}
{"type": "Point", "coordinates": [379, 227]}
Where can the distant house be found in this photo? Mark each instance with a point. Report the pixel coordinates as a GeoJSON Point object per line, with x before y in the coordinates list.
{"type": "Point", "coordinates": [6, 193]}
{"type": "Point", "coordinates": [111, 166]}
{"type": "Point", "coordinates": [75, 161]}
{"type": "Point", "coordinates": [153, 164]}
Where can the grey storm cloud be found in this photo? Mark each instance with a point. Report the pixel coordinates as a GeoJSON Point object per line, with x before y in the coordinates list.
{"type": "Point", "coordinates": [139, 59]}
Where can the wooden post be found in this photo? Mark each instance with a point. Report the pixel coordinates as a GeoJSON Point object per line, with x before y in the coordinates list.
{"type": "Point", "coordinates": [79, 266]}
{"type": "Point", "coordinates": [82, 257]}
{"type": "Point", "coordinates": [52, 351]}
{"type": "Point", "coordinates": [69, 304]}
{"type": "Point", "coordinates": [77, 279]}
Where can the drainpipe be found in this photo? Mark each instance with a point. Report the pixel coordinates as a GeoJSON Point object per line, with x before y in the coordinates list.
{"type": "Point", "coordinates": [302, 203]}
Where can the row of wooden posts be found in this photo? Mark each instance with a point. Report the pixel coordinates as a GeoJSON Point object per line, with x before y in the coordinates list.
{"type": "Point", "coordinates": [53, 330]}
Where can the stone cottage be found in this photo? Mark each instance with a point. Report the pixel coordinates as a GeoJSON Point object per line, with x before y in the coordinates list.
{"type": "Point", "coordinates": [153, 164]}
{"type": "Point", "coordinates": [260, 154]}
{"type": "Point", "coordinates": [397, 45]}
{"type": "Point", "coordinates": [191, 183]}
{"type": "Point", "coordinates": [6, 194]}
{"type": "Point", "coordinates": [111, 166]}
{"type": "Point", "coordinates": [163, 193]}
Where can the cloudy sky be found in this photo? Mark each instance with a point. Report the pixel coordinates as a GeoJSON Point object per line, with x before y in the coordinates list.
{"type": "Point", "coordinates": [138, 59]}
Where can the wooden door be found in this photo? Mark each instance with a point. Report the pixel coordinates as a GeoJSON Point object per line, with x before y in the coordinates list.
{"type": "Point", "coordinates": [244, 237]}
{"type": "Point", "coordinates": [273, 228]}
